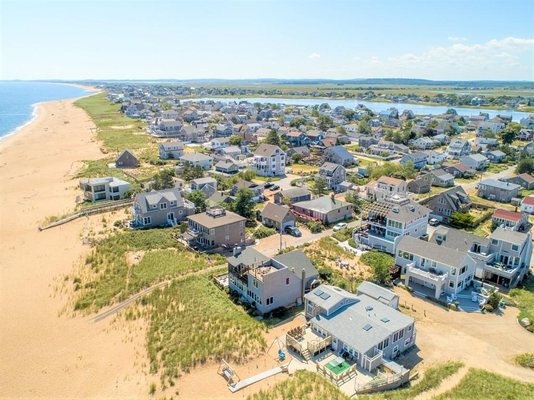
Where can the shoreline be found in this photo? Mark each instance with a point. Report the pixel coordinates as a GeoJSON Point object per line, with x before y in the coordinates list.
{"type": "Point", "coordinates": [35, 107]}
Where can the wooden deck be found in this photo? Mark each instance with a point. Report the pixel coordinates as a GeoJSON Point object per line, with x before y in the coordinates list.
{"type": "Point", "coordinates": [253, 379]}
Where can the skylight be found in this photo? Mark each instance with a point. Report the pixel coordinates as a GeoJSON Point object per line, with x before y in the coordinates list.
{"type": "Point", "coordinates": [384, 319]}
{"type": "Point", "coordinates": [367, 327]}
{"type": "Point", "coordinates": [324, 296]}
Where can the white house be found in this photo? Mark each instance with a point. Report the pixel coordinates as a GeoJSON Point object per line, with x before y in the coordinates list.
{"type": "Point", "coordinates": [527, 205]}
{"type": "Point", "coordinates": [173, 150]}
{"type": "Point", "coordinates": [269, 160]}
{"type": "Point", "coordinates": [108, 188]}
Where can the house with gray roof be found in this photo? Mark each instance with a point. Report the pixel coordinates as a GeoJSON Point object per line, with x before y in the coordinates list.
{"type": "Point", "coordinates": [332, 174]}
{"type": "Point", "coordinates": [227, 166]}
{"type": "Point", "coordinates": [475, 161]}
{"type": "Point", "coordinates": [160, 208]}
{"type": "Point", "coordinates": [418, 159]}
{"type": "Point", "coordinates": [208, 185]}
{"type": "Point", "coordinates": [325, 209]}
{"type": "Point", "coordinates": [292, 195]}
{"type": "Point", "coordinates": [379, 293]}
{"type": "Point", "coordinates": [524, 180]}
{"type": "Point", "coordinates": [357, 326]}
{"type": "Point", "coordinates": [441, 178]}
{"type": "Point", "coordinates": [271, 283]}
{"type": "Point", "coordinates": [339, 155]}
{"type": "Point", "coordinates": [493, 189]}
{"type": "Point", "coordinates": [495, 156]}
{"type": "Point", "coordinates": [126, 159]}
{"type": "Point", "coordinates": [458, 148]}
{"type": "Point", "coordinates": [269, 160]}
{"type": "Point", "coordinates": [257, 189]}
{"type": "Point", "coordinates": [448, 202]}
{"type": "Point", "coordinates": [198, 159]}
{"type": "Point", "coordinates": [277, 216]}
{"type": "Point", "coordinates": [107, 188]}
{"type": "Point", "coordinates": [171, 150]}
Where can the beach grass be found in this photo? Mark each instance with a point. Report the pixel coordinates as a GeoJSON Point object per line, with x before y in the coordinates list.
{"type": "Point", "coordinates": [191, 322]}
{"type": "Point", "coordinates": [526, 360]}
{"type": "Point", "coordinates": [117, 274]}
{"type": "Point", "coordinates": [523, 295]}
{"type": "Point", "coordinates": [481, 384]}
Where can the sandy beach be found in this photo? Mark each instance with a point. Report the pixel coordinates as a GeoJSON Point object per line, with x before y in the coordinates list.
{"type": "Point", "coordinates": [42, 353]}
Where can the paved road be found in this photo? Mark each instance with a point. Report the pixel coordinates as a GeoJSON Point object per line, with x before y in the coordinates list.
{"type": "Point", "coordinates": [487, 175]}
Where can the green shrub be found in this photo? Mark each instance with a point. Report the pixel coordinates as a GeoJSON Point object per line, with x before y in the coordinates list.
{"type": "Point", "coordinates": [380, 264]}
{"type": "Point", "coordinates": [263, 232]}
{"type": "Point", "coordinates": [525, 360]}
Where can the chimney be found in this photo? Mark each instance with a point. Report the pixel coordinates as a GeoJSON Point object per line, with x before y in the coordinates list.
{"type": "Point", "coordinates": [237, 251]}
{"type": "Point", "coordinates": [303, 283]}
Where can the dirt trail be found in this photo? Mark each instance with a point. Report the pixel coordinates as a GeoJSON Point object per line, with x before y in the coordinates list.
{"type": "Point", "coordinates": [445, 386]}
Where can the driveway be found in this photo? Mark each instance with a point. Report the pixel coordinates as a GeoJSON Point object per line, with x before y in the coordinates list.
{"type": "Point", "coordinates": [488, 175]}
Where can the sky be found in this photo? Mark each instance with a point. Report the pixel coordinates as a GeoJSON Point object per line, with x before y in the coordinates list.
{"type": "Point", "coordinates": [291, 39]}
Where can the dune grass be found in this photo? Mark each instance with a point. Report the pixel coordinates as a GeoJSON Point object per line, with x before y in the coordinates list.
{"type": "Point", "coordinates": [431, 380]}
{"type": "Point", "coordinates": [480, 384]}
{"type": "Point", "coordinates": [525, 360]}
{"type": "Point", "coordinates": [191, 322]}
{"type": "Point", "coordinates": [116, 279]}
{"type": "Point", "coordinates": [116, 131]}
{"type": "Point", "coordinates": [524, 298]}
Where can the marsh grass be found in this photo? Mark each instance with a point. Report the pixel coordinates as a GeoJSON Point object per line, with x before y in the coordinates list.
{"type": "Point", "coordinates": [191, 322]}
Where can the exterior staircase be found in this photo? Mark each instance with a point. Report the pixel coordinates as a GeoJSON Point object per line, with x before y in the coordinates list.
{"type": "Point", "coordinates": [307, 355]}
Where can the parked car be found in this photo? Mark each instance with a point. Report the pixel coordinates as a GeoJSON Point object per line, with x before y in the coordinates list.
{"type": "Point", "coordinates": [268, 185]}
{"type": "Point", "coordinates": [433, 222]}
{"type": "Point", "coordinates": [275, 187]}
{"type": "Point", "coordinates": [293, 231]}
{"type": "Point", "coordinates": [339, 226]}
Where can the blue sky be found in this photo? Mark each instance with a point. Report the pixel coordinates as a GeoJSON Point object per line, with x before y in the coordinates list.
{"type": "Point", "coordinates": [458, 39]}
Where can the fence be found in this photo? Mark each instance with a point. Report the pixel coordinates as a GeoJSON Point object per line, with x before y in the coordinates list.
{"type": "Point", "coordinates": [89, 211]}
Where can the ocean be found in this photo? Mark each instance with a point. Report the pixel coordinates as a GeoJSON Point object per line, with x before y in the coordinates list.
{"type": "Point", "coordinates": [17, 100]}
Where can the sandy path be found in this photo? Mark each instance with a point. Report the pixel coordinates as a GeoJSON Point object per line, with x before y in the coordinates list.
{"type": "Point", "coordinates": [43, 354]}
{"type": "Point", "coordinates": [445, 386]}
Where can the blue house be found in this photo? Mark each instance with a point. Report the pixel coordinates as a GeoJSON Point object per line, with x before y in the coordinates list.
{"type": "Point", "coordinates": [418, 159]}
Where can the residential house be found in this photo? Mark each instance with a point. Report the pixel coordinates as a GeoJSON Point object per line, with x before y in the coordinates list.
{"type": "Point", "coordinates": [423, 143]}
{"type": "Point", "coordinates": [526, 134]}
{"type": "Point", "coordinates": [292, 195]}
{"type": "Point", "coordinates": [231, 152]}
{"type": "Point", "coordinates": [441, 138]}
{"type": "Point", "coordinates": [218, 143]}
{"type": "Point", "coordinates": [277, 216]}
{"type": "Point", "coordinates": [529, 148]}
{"type": "Point", "coordinates": [339, 155]}
{"type": "Point", "coordinates": [198, 159]}
{"type": "Point", "coordinates": [458, 148]}
{"type": "Point", "coordinates": [459, 170]}
{"type": "Point", "coordinates": [422, 184]}
{"type": "Point", "coordinates": [257, 190]}
{"type": "Point", "coordinates": [215, 228]}
{"type": "Point", "coordinates": [510, 219]}
{"type": "Point", "coordinates": [495, 156]}
{"type": "Point", "coordinates": [269, 160]}
{"type": "Point", "coordinates": [166, 127]}
{"type": "Point", "coordinates": [379, 293]}
{"type": "Point", "coordinates": [315, 136]}
{"type": "Point", "coordinates": [297, 138]}
{"type": "Point", "coordinates": [433, 157]}
{"type": "Point", "coordinates": [332, 174]}
{"type": "Point", "coordinates": [357, 326]}
{"type": "Point", "coordinates": [303, 151]}
{"type": "Point", "coordinates": [227, 167]}
{"type": "Point", "coordinates": [207, 185]}
{"type": "Point", "coordinates": [527, 205]}
{"type": "Point", "coordinates": [418, 159]}
{"type": "Point", "coordinates": [160, 208]}
{"type": "Point", "coordinates": [271, 283]}
{"type": "Point", "coordinates": [386, 186]}
{"type": "Point", "coordinates": [500, 191]}
{"type": "Point", "coordinates": [325, 209]}
{"type": "Point", "coordinates": [475, 161]}
{"type": "Point", "coordinates": [108, 188]}
{"type": "Point", "coordinates": [526, 181]}
{"type": "Point", "coordinates": [171, 150]}
{"type": "Point", "coordinates": [441, 178]}
{"type": "Point", "coordinates": [448, 202]}
{"type": "Point", "coordinates": [126, 159]}
{"type": "Point", "coordinates": [389, 220]}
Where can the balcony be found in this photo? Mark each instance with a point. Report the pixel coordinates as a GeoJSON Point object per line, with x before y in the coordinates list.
{"type": "Point", "coordinates": [485, 258]}
{"type": "Point", "coordinates": [502, 270]}
{"type": "Point", "coordinates": [430, 275]}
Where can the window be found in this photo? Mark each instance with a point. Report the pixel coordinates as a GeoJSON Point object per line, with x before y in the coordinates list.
{"type": "Point", "coordinates": [212, 231]}
{"type": "Point", "coordinates": [515, 247]}
{"type": "Point", "coordinates": [147, 220]}
{"type": "Point", "coordinates": [287, 281]}
{"type": "Point", "coordinates": [163, 206]}
{"type": "Point", "coordinates": [494, 241]}
{"type": "Point", "coordinates": [453, 271]}
{"type": "Point", "coordinates": [451, 284]}
{"type": "Point", "coordinates": [269, 301]}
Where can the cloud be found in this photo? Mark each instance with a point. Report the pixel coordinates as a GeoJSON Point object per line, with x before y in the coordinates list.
{"type": "Point", "coordinates": [506, 58]}
{"type": "Point", "coordinates": [457, 39]}
{"type": "Point", "coordinates": [314, 56]}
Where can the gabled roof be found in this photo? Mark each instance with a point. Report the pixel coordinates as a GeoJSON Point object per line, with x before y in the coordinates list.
{"type": "Point", "coordinates": [275, 212]}
{"type": "Point", "coordinates": [340, 151]}
{"type": "Point", "coordinates": [267, 150]}
{"type": "Point", "coordinates": [507, 215]}
{"type": "Point", "coordinates": [432, 251]}
{"type": "Point", "coordinates": [456, 239]}
{"type": "Point", "coordinates": [296, 261]}
{"type": "Point", "coordinates": [329, 168]}
{"type": "Point", "coordinates": [500, 184]}
{"type": "Point", "coordinates": [145, 200]}
{"type": "Point", "coordinates": [323, 204]}
{"type": "Point", "coordinates": [248, 257]}
{"type": "Point", "coordinates": [195, 157]}
{"type": "Point", "coordinates": [295, 192]}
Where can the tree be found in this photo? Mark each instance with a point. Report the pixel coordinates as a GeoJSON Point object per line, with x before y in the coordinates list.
{"type": "Point", "coordinates": [509, 133]}
{"type": "Point", "coordinates": [462, 220]}
{"type": "Point", "coordinates": [349, 114]}
{"type": "Point", "coordinates": [526, 165]}
{"type": "Point", "coordinates": [190, 172]}
{"type": "Point", "coordinates": [296, 157]}
{"type": "Point", "coordinates": [164, 179]}
{"type": "Point", "coordinates": [198, 198]}
{"type": "Point", "coordinates": [355, 201]}
{"type": "Point", "coordinates": [243, 204]}
{"type": "Point", "coordinates": [364, 128]}
{"type": "Point", "coordinates": [319, 186]}
{"type": "Point", "coordinates": [273, 137]}
{"type": "Point", "coordinates": [296, 122]}
{"type": "Point", "coordinates": [341, 130]}
{"type": "Point", "coordinates": [494, 299]}
{"type": "Point", "coordinates": [324, 122]}
{"type": "Point", "coordinates": [247, 175]}
{"type": "Point", "coordinates": [380, 264]}
{"type": "Point", "coordinates": [235, 140]}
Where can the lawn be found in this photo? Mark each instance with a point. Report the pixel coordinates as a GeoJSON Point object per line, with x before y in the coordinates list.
{"type": "Point", "coordinates": [524, 297]}
{"type": "Point", "coordinates": [343, 234]}
{"type": "Point", "coordinates": [296, 168]}
{"type": "Point", "coordinates": [116, 131]}
{"type": "Point", "coordinates": [114, 276]}
{"type": "Point", "coordinates": [191, 322]}
{"type": "Point", "coordinates": [495, 168]}
{"type": "Point", "coordinates": [99, 168]}
{"type": "Point", "coordinates": [480, 384]}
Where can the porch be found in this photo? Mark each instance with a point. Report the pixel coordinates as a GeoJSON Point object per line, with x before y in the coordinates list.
{"type": "Point", "coordinates": [306, 342]}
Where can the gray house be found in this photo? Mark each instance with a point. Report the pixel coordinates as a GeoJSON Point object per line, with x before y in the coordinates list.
{"type": "Point", "coordinates": [257, 190]}
{"type": "Point", "coordinates": [500, 191]}
{"type": "Point", "coordinates": [172, 150]}
{"type": "Point", "coordinates": [325, 209]}
{"type": "Point", "coordinates": [160, 208]}
{"type": "Point", "coordinates": [293, 195]}
{"type": "Point", "coordinates": [126, 159]}
{"type": "Point", "coordinates": [271, 283]}
{"type": "Point", "coordinates": [525, 180]}
{"type": "Point", "coordinates": [339, 155]}
{"type": "Point", "coordinates": [441, 178]}
{"type": "Point", "coordinates": [208, 185]}
{"type": "Point", "coordinates": [276, 216]}
{"type": "Point", "coordinates": [228, 167]}
{"type": "Point", "coordinates": [198, 159]}
{"type": "Point", "coordinates": [333, 174]}
{"type": "Point", "coordinates": [448, 202]}
{"type": "Point", "coordinates": [215, 228]}
{"type": "Point", "coordinates": [476, 161]}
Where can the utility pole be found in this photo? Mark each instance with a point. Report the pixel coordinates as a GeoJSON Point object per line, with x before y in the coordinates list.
{"type": "Point", "coordinates": [280, 236]}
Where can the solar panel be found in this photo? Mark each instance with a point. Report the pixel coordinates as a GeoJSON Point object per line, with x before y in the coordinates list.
{"type": "Point", "coordinates": [367, 327]}
{"type": "Point", "coordinates": [318, 292]}
{"type": "Point", "coordinates": [325, 296]}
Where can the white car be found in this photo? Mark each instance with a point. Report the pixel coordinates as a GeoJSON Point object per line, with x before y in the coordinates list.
{"type": "Point", "coordinates": [433, 222]}
{"type": "Point", "coordinates": [339, 226]}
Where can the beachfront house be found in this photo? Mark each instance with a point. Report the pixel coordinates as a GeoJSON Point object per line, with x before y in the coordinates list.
{"type": "Point", "coordinates": [215, 227]}
{"type": "Point", "coordinates": [271, 283]}
{"type": "Point", "coordinates": [107, 188]}
{"type": "Point", "coordinates": [160, 208]}
{"type": "Point", "coordinates": [171, 150]}
{"type": "Point", "coordinates": [126, 159]}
